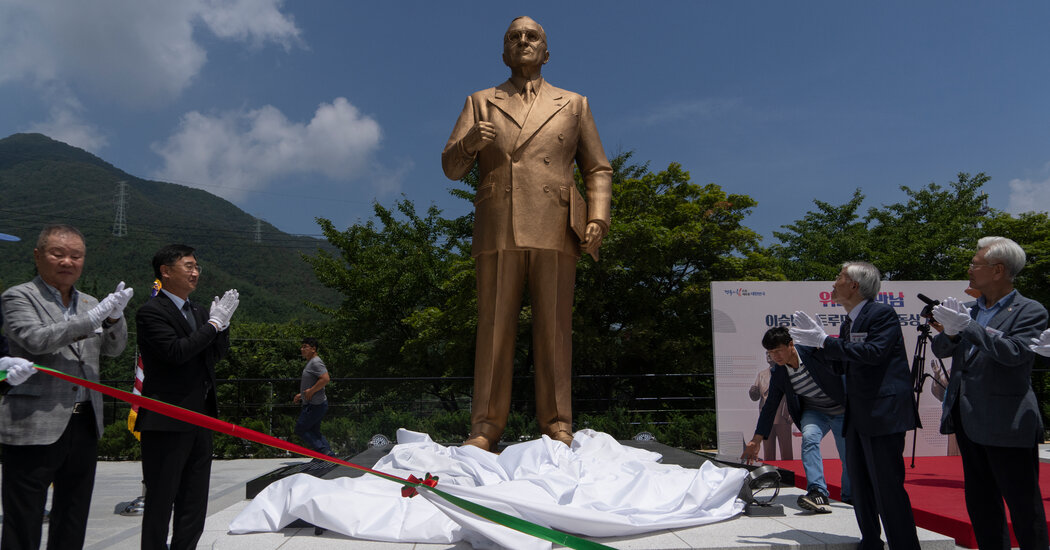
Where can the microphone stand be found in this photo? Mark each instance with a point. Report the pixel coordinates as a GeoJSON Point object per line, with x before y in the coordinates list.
{"type": "Point", "coordinates": [918, 372]}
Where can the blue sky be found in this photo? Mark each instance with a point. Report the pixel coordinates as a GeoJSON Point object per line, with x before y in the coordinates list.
{"type": "Point", "coordinates": [294, 110]}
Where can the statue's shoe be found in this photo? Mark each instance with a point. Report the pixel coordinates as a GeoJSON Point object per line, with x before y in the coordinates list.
{"type": "Point", "coordinates": [481, 442]}
{"type": "Point", "coordinates": [563, 436]}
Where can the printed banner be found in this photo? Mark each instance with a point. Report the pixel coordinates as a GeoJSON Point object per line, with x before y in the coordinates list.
{"type": "Point", "coordinates": [741, 313]}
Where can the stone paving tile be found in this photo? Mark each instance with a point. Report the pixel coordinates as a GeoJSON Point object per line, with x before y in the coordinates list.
{"type": "Point", "coordinates": [117, 483]}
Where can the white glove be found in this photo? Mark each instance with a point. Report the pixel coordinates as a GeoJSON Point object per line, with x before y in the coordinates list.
{"type": "Point", "coordinates": [952, 303]}
{"type": "Point", "coordinates": [103, 310]}
{"type": "Point", "coordinates": [1041, 345]}
{"type": "Point", "coordinates": [222, 309]}
{"type": "Point", "coordinates": [952, 315]}
{"type": "Point", "coordinates": [807, 330]}
{"type": "Point", "coordinates": [18, 369]}
{"type": "Point", "coordinates": [124, 295]}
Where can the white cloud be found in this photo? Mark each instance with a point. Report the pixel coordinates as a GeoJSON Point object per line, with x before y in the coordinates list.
{"type": "Point", "coordinates": [688, 109]}
{"type": "Point", "coordinates": [258, 21]}
{"type": "Point", "coordinates": [137, 52]}
{"type": "Point", "coordinates": [234, 153]}
{"type": "Point", "coordinates": [66, 124]}
{"type": "Point", "coordinates": [1029, 196]}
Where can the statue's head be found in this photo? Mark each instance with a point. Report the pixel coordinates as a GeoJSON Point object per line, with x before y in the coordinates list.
{"type": "Point", "coordinates": [525, 44]}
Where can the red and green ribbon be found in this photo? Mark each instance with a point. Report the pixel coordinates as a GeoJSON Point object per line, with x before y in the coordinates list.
{"type": "Point", "coordinates": [410, 485]}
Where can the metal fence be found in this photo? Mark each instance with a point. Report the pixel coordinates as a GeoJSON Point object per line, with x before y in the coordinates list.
{"type": "Point", "coordinates": [242, 398]}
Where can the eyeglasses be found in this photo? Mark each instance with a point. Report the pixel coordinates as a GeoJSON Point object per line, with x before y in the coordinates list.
{"type": "Point", "coordinates": [525, 35]}
{"type": "Point", "coordinates": [977, 266]}
{"type": "Point", "coordinates": [191, 267]}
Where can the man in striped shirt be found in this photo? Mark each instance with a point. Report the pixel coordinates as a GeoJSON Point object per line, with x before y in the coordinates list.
{"type": "Point", "coordinates": [814, 401]}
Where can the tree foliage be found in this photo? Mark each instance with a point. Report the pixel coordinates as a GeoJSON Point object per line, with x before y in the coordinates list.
{"type": "Point", "coordinates": [929, 236]}
{"type": "Point", "coordinates": [933, 234]}
{"type": "Point", "coordinates": [408, 287]}
{"type": "Point", "coordinates": [405, 281]}
{"type": "Point", "coordinates": [1032, 231]}
{"type": "Point", "coordinates": [814, 247]}
{"type": "Point", "coordinates": [645, 306]}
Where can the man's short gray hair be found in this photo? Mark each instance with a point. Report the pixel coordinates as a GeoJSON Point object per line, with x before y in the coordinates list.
{"type": "Point", "coordinates": [866, 276]}
{"type": "Point", "coordinates": [57, 229]}
{"type": "Point", "coordinates": [1004, 251]}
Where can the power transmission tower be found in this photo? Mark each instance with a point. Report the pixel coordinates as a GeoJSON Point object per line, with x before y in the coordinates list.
{"type": "Point", "coordinates": [258, 230]}
{"type": "Point", "coordinates": [120, 221]}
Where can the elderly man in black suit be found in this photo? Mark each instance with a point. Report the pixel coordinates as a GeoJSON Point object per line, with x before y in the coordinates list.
{"type": "Point", "coordinates": [49, 428]}
{"type": "Point", "coordinates": [880, 408]}
{"type": "Point", "coordinates": [989, 404]}
{"type": "Point", "coordinates": [180, 343]}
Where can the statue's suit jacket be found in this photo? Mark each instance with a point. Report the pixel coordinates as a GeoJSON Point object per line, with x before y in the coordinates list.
{"type": "Point", "coordinates": [178, 363]}
{"type": "Point", "coordinates": [991, 376]}
{"type": "Point", "coordinates": [526, 174]}
{"type": "Point", "coordinates": [525, 190]}
{"type": "Point", "coordinates": [37, 411]}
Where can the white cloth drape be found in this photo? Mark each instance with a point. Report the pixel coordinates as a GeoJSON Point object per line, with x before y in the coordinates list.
{"type": "Point", "coordinates": [596, 488]}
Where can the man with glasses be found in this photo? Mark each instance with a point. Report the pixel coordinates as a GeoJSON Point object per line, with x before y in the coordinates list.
{"type": "Point", "coordinates": [989, 404]}
{"type": "Point", "coordinates": [179, 343]}
{"type": "Point", "coordinates": [880, 407]}
{"type": "Point", "coordinates": [814, 399]}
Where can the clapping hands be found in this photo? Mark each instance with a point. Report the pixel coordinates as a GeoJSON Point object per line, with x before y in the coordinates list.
{"type": "Point", "coordinates": [112, 306]}
{"type": "Point", "coordinates": [952, 315]}
{"type": "Point", "coordinates": [222, 309]}
{"type": "Point", "coordinates": [123, 296]}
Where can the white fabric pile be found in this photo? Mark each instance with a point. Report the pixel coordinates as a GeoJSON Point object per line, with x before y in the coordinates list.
{"type": "Point", "coordinates": [598, 488]}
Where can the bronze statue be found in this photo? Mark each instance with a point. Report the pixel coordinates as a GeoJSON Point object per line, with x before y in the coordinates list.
{"type": "Point", "coordinates": [530, 223]}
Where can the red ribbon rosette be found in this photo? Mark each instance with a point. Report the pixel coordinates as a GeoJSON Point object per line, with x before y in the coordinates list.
{"type": "Point", "coordinates": [429, 481]}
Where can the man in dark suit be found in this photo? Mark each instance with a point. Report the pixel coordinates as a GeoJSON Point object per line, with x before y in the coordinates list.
{"type": "Point", "coordinates": [529, 223]}
{"type": "Point", "coordinates": [49, 428]}
{"type": "Point", "coordinates": [879, 403]}
{"type": "Point", "coordinates": [814, 399]}
{"type": "Point", "coordinates": [180, 343]}
{"type": "Point", "coordinates": [989, 404]}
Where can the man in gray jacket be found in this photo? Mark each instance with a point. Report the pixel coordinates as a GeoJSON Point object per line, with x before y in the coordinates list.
{"type": "Point", "coordinates": [49, 428]}
{"type": "Point", "coordinates": [989, 404]}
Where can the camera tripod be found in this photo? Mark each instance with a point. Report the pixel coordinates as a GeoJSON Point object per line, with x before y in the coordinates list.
{"type": "Point", "coordinates": [918, 370]}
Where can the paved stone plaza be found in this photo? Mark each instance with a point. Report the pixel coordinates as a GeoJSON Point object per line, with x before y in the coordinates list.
{"type": "Point", "coordinates": [117, 483]}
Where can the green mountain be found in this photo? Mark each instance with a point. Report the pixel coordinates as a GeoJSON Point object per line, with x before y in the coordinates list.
{"type": "Point", "coordinates": [45, 181]}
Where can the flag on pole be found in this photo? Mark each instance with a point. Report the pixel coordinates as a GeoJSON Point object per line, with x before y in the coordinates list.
{"type": "Point", "coordinates": [139, 376]}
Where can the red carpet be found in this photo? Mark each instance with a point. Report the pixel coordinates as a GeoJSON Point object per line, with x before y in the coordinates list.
{"type": "Point", "coordinates": [935, 486]}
